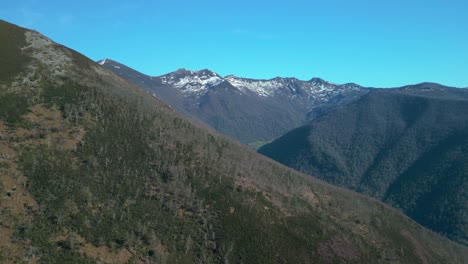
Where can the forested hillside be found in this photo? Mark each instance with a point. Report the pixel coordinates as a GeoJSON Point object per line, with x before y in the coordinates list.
{"type": "Point", "coordinates": [95, 170]}
{"type": "Point", "coordinates": [407, 147]}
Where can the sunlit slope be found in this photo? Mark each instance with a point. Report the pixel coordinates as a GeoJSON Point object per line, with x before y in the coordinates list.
{"type": "Point", "coordinates": [94, 169]}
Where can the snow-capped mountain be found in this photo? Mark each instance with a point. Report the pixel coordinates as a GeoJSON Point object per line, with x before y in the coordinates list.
{"type": "Point", "coordinates": [192, 81]}
{"type": "Point", "coordinates": [249, 110]}
{"type": "Point", "coordinates": [196, 82]}
{"type": "Point", "coordinates": [316, 87]}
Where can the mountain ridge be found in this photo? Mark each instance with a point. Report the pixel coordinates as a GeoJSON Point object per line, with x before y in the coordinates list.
{"type": "Point", "coordinates": [231, 77]}
{"type": "Point", "coordinates": [250, 110]}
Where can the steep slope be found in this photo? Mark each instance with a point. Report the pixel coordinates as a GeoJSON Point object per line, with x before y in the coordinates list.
{"type": "Point", "coordinates": [153, 85]}
{"type": "Point", "coordinates": [251, 111]}
{"type": "Point", "coordinates": [407, 147]}
{"type": "Point", "coordinates": [94, 170]}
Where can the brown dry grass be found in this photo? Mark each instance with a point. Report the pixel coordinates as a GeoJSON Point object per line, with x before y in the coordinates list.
{"type": "Point", "coordinates": [16, 202]}
{"type": "Point", "coordinates": [17, 205]}
{"type": "Point", "coordinates": [310, 196]}
{"type": "Point", "coordinates": [104, 254]}
{"type": "Point", "coordinates": [337, 247]}
{"type": "Point", "coordinates": [418, 248]}
{"type": "Point", "coordinates": [13, 250]}
{"type": "Point", "coordinates": [252, 186]}
{"type": "Point", "coordinates": [51, 123]}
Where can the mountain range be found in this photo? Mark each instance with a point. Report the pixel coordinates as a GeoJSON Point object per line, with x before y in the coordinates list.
{"type": "Point", "coordinates": [251, 111]}
{"type": "Point", "coordinates": [407, 147]}
{"type": "Point", "coordinates": [238, 107]}
{"type": "Point", "coordinates": [95, 170]}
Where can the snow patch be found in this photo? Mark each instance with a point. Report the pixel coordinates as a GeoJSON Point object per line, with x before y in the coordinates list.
{"type": "Point", "coordinates": [260, 87]}
{"type": "Point", "coordinates": [193, 81]}
{"type": "Point", "coordinates": [292, 87]}
{"type": "Point", "coordinates": [198, 82]}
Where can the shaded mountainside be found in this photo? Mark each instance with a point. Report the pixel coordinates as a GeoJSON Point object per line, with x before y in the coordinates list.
{"type": "Point", "coordinates": [94, 170]}
{"type": "Point", "coordinates": [407, 147]}
{"type": "Point", "coordinates": [251, 111]}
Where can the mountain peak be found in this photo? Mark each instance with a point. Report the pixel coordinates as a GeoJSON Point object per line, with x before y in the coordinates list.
{"type": "Point", "coordinates": [189, 81]}
{"type": "Point", "coordinates": [207, 72]}
{"type": "Point", "coordinates": [102, 62]}
{"type": "Point", "coordinates": [182, 71]}
{"type": "Point", "coordinates": [202, 72]}
{"type": "Point", "coordinates": [108, 62]}
{"type": "Point", "coordinates": [318, 80]}
{"type": "Point", "coordinates": [425, 86]}
{"type": "Point", "coordinates": [231, 76]}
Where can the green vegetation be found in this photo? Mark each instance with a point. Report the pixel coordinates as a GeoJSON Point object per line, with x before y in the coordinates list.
{"type": "Point", "coordinates": [101, 191]}
{"type": "Point", "coordinates": [12, 59]}
{"type": "Point", "coordinates": [12, 107]}
{"type": "Point", "coordinates": [119, 177]}
{"type": "Point", "coordinates": [137, 181]}
{"type": "Point", "coordinates": [407, 148]}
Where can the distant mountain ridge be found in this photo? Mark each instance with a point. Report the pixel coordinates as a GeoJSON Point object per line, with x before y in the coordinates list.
{"type": "Point", "coordinates": [406, 146]}
{"type": "Point", "coordinates": [191, 81]}
{"type": "Point", "coordinates": [248, 110]}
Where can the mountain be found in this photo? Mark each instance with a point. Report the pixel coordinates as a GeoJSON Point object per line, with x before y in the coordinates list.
{"type": "Point", "coordinates": [251, 111]}
{"type": "Point", "coordinates": [95, 170]}
{"type": "Point", "coordinates": [407, 147]}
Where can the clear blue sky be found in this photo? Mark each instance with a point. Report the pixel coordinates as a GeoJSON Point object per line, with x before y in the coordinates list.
{"type": "Point", "coordinates": [370, 42]}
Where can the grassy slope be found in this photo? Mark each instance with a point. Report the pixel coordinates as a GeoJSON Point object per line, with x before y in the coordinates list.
{"type": "Point", "coordinates": [12, 60]}
{"type": "Point", "coordinates": [97, 171]}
